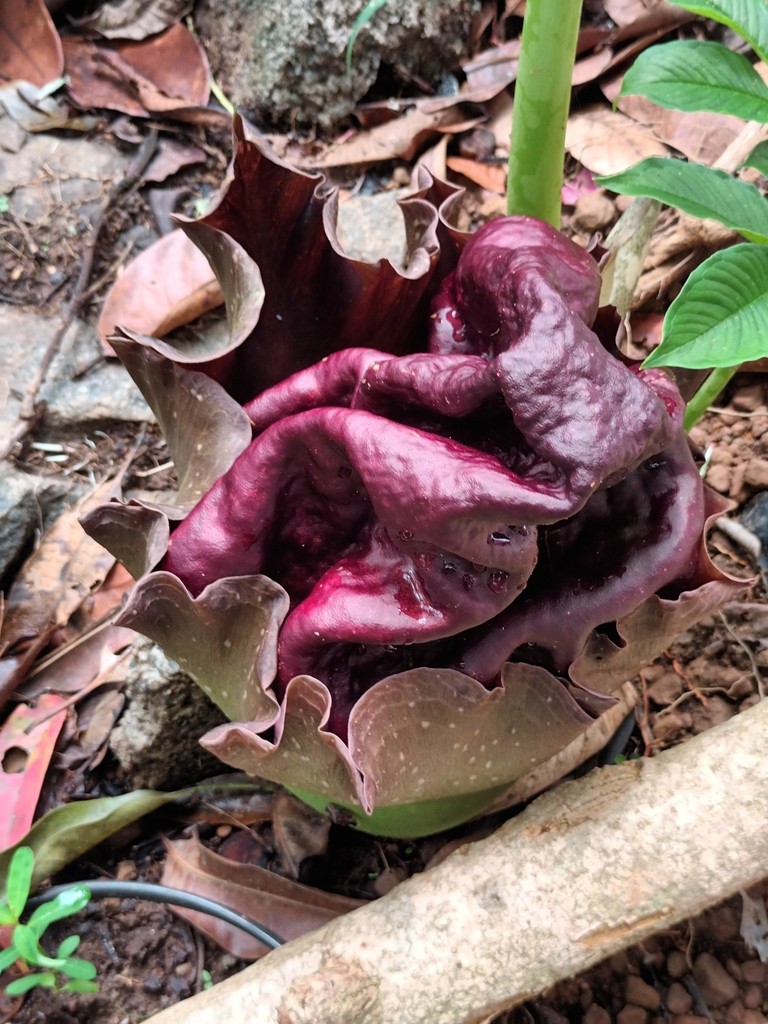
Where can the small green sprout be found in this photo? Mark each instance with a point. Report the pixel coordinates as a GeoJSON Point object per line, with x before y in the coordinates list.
{"type": "Point", "coordinates": [76, 974]}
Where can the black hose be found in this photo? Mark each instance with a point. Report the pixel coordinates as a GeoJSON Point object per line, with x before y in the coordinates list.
{"type": "Point", "coordinates": [102, 888]}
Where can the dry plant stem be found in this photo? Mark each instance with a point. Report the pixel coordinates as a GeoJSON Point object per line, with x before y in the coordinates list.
{"type": "Point", "coordinates": [31, 409]}
{"type": "Point", "coordinates": [593, 866]}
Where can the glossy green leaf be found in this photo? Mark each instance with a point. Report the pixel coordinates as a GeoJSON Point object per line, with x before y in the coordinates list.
{"type": "Point", "coordinates": [19, 880]}
{"type": "Point", "coordinates": [719, 318]}
{"type": "Point", "coordinates": [19, 986]}
{"type": "Point", "coordinates": [67, 832]}
{"type": "Point", "coordinates": [749, 18]}
{"type": "Point", "coordinates": [82, 970]}
{"type": "Point", "coordinates": [691, 75]}
{"type": "Point", "coordinates": [65, 904]}
{"type": "Point", "coordinates": [80, 985]}
{"type": "Point", "coordinates": [27, 946]}
{"type": "Point", "coordinates": [7, 957]}
{"type": "Point", "coordinates": [7, 916]}
{"type": "Point", "coordinates": [703, 192]}
{"type": "Point", "coordinates": [68, 946]}
{"type": "Point", "coordinates": [758, 158]}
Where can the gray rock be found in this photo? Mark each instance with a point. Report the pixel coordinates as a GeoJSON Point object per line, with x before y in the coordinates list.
{"type": "Point", "coordinates": [104, 392]}
{"type": "Point", "coordinates": [284, 60]}
{"type": "Point", "coordinates": [716, 984]}
{"type": "Point", "coordinates": [372, 227]}
{"type": "Point", "coordinates": [51, 170]}
{"type": "Point", "coordinates": [156, 740]}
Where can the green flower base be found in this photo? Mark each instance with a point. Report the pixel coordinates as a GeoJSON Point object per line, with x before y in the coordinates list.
{"type": "Point", "coordinates": [406, 821]}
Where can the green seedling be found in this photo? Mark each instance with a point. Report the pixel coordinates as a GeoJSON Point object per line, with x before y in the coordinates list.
{"type": "Point", "coordinates": [62, 972]}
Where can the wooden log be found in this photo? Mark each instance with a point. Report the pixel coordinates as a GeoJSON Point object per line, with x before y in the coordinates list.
{"type": "Point", "coordinates": [589, 868]}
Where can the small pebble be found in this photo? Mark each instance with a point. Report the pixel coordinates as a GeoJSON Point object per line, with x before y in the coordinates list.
{"type": "Point", "coordinates": [734, 1013]}
{"type": "Point", "coordinates": [748, 398]}
{"type": "Point", "coordinates": [679, 999]}
{"type": "Point", "coordinates": [753, 971]}
{"type": "Point", "coordinates": [677, 964]}
{"type": "Point", "coordinates": [597, 1015]}
{"type": "Point", "coordinates": [640, 993]}
{"type": "Point", "coordinates": [716, 984]}
{"type": "Point", "coordinates": [666, 689]}
{"type": "Point", "coordinates": [126, 871]}
{"type": "Point", "coordinates": [689, 1018]}
{"type": "Point", "coordinates": [594, 211]}
{"type": "Point", "coordinates": [632, 1015]}
{"type": "Point", "coordinates": [753, 997]}
{"type": "Point", "coordinates": [719, 477]}
{"type": "Point", "coordinates": [665, 727]}
{"type": "Point", "coordinates": [756, 473]}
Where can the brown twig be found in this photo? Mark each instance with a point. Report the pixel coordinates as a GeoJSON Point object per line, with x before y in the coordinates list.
{"type": "Point", "coordinates": [32, 409]}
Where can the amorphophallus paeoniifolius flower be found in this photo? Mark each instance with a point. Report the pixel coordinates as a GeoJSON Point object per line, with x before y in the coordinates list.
{"type": "Point", "coordinates": [428, 520]}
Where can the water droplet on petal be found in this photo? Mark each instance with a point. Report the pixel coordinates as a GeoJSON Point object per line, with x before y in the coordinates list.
{"type": "Point", "coordinates": [499, 539]}
{"type": "Point", "coordinates": [497, 581]}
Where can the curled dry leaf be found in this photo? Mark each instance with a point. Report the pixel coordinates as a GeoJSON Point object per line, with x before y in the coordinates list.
{"type": "Point", "coordinates": [157, 75]}
{"type": "Point", "coordinates": [626, 12]}
{"type": "Point", "coordinates": [424, 575]}
{"type": "Point", "coordinates": [135, 19]}
{"type": "Point", "coordinates": [601, 139]}
{"type": "Point", "coordinates": [285, 907]}
{"type": "Point", "coordinates": [30, 48]}
{"type": "Point", "coordinates": [147, 299]}
{"type": "Point", "coordinates": [51, 585]}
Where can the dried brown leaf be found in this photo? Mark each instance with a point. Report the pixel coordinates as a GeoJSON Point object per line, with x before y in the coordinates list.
{"type": "Point", "coordinates": [30, 48]}
{"type": "Point", "coordinates": [146, 298]}
{"type": "Point", "coordinates": [59, 575]}
{"type": "Point", "coordinates": [702, 137]}
{"type": "Point", "coordinates": [172, 156]}
{"type": "Point", "coordinates": [299, 831]}
{"type": "Point", "coordinates": [401, 137]}
{"type": "Point", "coordinates": [488, 176]}
{"type": "Point", "coordinates": [625, 12]}
{"type": "Point", "coordinates": [135, 19]}
{"type": "Point", "coordinates": [287, 908]}
{"type": "Point", "coordinates": [161, 74]}
{"type": "Point", "coordinates": [606, 141]}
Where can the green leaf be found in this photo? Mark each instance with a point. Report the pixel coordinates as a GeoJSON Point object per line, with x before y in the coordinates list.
{"type": "Point", "coordinates": [691, 75]}
{"type": "Point", "coordinates": [719, 318]}
{"type": "Point", "coordinates": [67, 832]}
{"type": "Point", "coordinates": [19, 880]}
{"type": "Point", "coordinates": [69, 902]}
{"type": "Point", "coordinates": [359, 23]}
{"type": "Point", "coordinates": [758, 158]}
{"type": "Point", "coordinates": [82, 970]}
{"type": "Point", "coordinates": [703, 192]}
{"type": "Point", "coordinates": [749, 18]}
{"type": "Point", "coordinates": [21, 985]}
{"type": "Point", "coordinates": [7, 916]}
{"type": "Point", "coordinates": [67, 947]}
{"type": "Point", "coordinates": [80, 985]}
{"type": "Point", "coordinates": [25, 941]}
{"type": "Point", "coordinates": [7, 957]}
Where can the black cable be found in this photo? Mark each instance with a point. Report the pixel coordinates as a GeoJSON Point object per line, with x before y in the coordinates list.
{"type": "Point", "coordinates": [101, 888]}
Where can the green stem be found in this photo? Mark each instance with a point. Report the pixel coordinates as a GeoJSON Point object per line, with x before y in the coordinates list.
{"type": "Point", "coordinates": [706, 394]}
{"type": "Point", "coordinates": [542, 100]}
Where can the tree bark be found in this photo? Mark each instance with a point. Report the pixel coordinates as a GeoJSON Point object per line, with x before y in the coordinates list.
{"type": "Point", "coordinates": [589, 868]}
